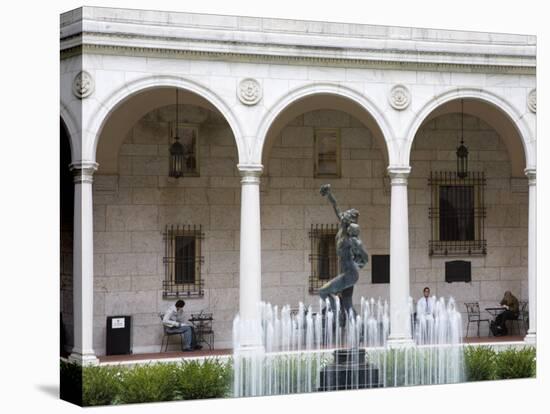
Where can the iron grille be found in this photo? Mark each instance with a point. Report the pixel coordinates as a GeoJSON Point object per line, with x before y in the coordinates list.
{"type": "Point", "coordinates": [183, 261]}
{"type": "Point", "coordinates": [457, 214]}
{"type": "Point", "coordinates": [323, 257]}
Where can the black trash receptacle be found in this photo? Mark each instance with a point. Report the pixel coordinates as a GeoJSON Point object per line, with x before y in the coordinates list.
{"type": "Point", "coordinates": [119, 335]}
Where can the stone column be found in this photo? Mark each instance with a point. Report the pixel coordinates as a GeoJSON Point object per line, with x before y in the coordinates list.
{"type": "Point", "coordinates": [250, 290]}
{"type": "Point", "coordinates": [83, 264]}
{"type": "Point", "coordinates": [531, 336]}
{"type": "Point", "coordinates": [400, 333]}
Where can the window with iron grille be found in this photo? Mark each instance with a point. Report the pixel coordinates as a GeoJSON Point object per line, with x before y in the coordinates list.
{"type": "Point", "coordinates": [457, 214]}
{"type": "Point", "coordinates": [323, 258]}
{"type": "Point", "coordinates": [183, 261]}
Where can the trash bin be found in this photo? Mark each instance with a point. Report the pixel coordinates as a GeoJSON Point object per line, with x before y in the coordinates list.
{"type": "Point", "coordinates": [119, 335]}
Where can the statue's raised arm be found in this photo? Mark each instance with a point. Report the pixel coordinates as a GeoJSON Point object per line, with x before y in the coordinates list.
{"type": "Point", "coordinates": [326, 192]}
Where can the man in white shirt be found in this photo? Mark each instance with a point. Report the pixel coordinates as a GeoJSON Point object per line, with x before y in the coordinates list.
{"type": "Point", "coordinates": [425, 322]}
{"type": "Point", "coordinates": [175, 323]}
{"type": "Point", "coordinates": [425, 305]}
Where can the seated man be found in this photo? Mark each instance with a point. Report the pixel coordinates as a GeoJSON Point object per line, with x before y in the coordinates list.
{"type": "Point", "coordinates": [175, 323]}
{"type": "Point", "coordinates": [424, 328]}
{"type": "Point", "coordinates": [425, 305]}
{"type": "Point", "coordinates": [510, 302]}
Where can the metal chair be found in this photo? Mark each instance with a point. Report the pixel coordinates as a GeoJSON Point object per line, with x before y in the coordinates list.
{"type": "Point", "coordinates": [166, 334]}
{"type": "Point", "coordinates": [202, 324]}
{"type": "Point", "coordinates": [523, 317]}
{"type": "Point", "coordinates": [474, 316]}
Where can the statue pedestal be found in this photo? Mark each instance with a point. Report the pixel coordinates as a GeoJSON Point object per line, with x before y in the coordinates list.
{"type": "Point", "coordinates": [349, 371]}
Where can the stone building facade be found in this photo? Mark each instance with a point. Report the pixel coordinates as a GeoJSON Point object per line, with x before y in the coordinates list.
{"type": "Point", "coordinates": [256, 197]}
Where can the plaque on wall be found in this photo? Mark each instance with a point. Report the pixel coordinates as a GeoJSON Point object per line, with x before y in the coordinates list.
{"type": "Point", "coordinates": [458, 271]}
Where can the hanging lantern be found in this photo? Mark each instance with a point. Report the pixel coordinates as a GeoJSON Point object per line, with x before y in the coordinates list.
{"type": "Point", "coordinates": [177, 152]}
{"type": "Point", "coordinates": [177, 159]}
{"type": "Point", "coordinates": [462, 152]}
{"type": "Point", "coordinates": [462, 161]}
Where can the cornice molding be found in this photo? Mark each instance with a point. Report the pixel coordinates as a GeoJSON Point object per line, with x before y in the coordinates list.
{"type": "Point", "coordinates": [348, 63]}
{"type": "Point", "coordinates": [133, 45]}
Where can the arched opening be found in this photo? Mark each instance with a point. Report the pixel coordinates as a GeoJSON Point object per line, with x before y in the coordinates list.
{"type": "Point", "coordinates": [481, 219]}
{"type": "Point", "coordinates": [298, 254]}
{"type": "Point", "coordinates": [496, 119]}
{"type": "Point", "coordinates": [158, 238]}
{"type": "Point", "coordinates": [115, 128]}
{"type": "Point", "coordinates": [323, 101]}
{"type": "Point", "coordinates": [66, 216]}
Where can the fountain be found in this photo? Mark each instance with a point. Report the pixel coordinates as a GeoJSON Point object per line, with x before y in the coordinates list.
{"type": "Point", "coordinates": [307, 351]}
{"type": "Point", "coordinates": [337, 348]}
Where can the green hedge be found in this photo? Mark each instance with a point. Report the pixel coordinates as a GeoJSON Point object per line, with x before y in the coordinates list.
{"type": "Point", "coordinates": [516, 363]}
{"type": "Point", "coordinates": [483, 363]}
{"type": "Point", "coordinates": [195, 380]}
{"type": "Point", "coordinates": [109, 385]}
{"type": "Point", "coordinates": [479, 363]}
{"type": "Point", "coordinates": [146, 383]}
{"type": "Point", "coordinates": [101, 385]}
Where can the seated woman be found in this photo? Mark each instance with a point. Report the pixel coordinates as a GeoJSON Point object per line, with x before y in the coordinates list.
{"type": "Point", "coordinates": [510, 302]}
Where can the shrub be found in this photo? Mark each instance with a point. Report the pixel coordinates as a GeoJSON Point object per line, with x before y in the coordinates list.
{"type": "Point", "coordinates": [147, 383]}
{"type": "Point", "coordinates": [101, 385]}
{"type": "Point", "coordinates": [516, 363]}
{"type": "Point", "coordinates": [479, 362]}
{"type": "Point", "coordinates": [207, 379]}
{"type": "Point", "coordinates": [70, 382]}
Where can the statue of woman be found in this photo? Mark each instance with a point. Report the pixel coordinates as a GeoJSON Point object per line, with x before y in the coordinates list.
{"type": "Point", "coordinates": [351, 252]}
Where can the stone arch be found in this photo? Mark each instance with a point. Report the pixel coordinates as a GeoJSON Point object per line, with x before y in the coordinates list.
{"type": "Point", "coordinates": [346, 99]}
{"type": "Point", "coordinates": [496, 111]}
{"type": "Point", "coordinates": [123, 94]}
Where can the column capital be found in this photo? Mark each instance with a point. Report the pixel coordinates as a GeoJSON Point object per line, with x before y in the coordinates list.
{"type": "Point", "coordinates": [399, 174]}
{"type": "Point", "coordinates": [531, 174]}
{"type": "Point", "coordinates": [250, 173]}
{"type": "Point", "coordinates": [83, 171]}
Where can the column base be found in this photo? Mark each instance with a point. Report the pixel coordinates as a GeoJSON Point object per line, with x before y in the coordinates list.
{"type": "Point", "coordinates": [83, 359]}
{"type": "Point", "coordinates": [531, 339]}
{"type": "Point", "coordinates": [400, 342]}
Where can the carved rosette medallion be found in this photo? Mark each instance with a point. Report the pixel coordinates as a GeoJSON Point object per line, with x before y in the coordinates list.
{"type": "Point", "coordinates": [249, 91]}
{"type": "Point", "coordinates": [532, 101]}
{"type": "Point", "coordinates": [400, 97]}
{"type": "Point", "coordinates": [83, 85]}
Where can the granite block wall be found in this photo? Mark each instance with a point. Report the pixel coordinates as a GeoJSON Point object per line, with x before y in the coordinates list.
{"type": "Point", "coordinates": [132, 208]}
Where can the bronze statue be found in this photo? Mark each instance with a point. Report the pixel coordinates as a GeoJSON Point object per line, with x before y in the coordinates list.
{"type": "Point", "coordinates": [351, 252]}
